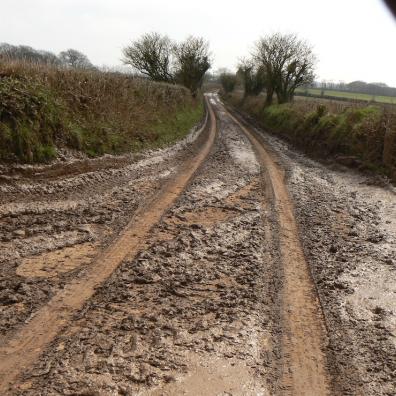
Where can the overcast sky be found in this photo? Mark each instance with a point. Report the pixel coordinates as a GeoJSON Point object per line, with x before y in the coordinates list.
{"type": "Point", "coordinates": [353, 39]}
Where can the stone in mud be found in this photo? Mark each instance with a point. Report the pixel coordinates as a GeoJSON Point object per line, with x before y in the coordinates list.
{"type": "Point", "coordinates": [140, 280]}
{"type": "Point", "coordinates": [353, 233]}
{"type": "Point", "coordinates": [19, 233]}
{"type": "Point", "coordinates": [8, 297]}
{"type": "Point", "coordinates": [333, 249]}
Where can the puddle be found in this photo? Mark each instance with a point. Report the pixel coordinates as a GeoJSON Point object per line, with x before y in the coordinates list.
{"type": "Point", "coordinates": [214, 376]}
{"type": "Point", "coordinates": [244, 156]}
{"type": "Point", "coordinates": [374, 288]}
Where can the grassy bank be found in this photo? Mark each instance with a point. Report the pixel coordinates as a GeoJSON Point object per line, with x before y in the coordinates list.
{"type": "Point", "coordinates": [43, 109]}
{"type": "Point", "coordinates": [359, 136]}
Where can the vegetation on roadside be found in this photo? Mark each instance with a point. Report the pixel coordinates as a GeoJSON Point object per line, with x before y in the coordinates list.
{"type": "Point", "coordinates": [359, 136]}
{"type": "Point", "coordinates": [228, 81]}
{"type": "Point", "coordinates": [44, 108]}
{"type": "Point", "coordinates": [254, 79]}
{"type": "Point", "coordinates": [279, 64]}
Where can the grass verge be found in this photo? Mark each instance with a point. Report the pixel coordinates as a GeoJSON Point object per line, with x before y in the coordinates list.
{"type": "Point", "coordinates": [44, 109]}
{"type": "Point", "coordinates": [357, 136]}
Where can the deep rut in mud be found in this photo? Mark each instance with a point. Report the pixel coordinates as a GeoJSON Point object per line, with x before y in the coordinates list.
{"type": "Point", "coordinates": [304, 368]}
{"type": "Point", "coordinates": [23, 348]}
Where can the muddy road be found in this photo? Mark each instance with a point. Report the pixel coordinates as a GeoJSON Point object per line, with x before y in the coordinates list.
{"type": "Point", "coordinates": [227, 264]}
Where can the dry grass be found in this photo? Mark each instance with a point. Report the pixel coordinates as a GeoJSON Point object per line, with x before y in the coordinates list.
{"type": "Point", "coordinates": [44, 107]}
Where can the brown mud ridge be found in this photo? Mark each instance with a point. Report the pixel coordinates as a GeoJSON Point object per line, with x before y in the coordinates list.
{"type": "Point", "coordinates": [68, 168]}
{"type": "Point", "coordinates": [183, 273]}
{"type": "Point", "coordinates": [347, 226]}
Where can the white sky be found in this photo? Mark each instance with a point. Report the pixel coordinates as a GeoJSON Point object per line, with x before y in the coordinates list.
{"type": "Point", "coordinates": [353, 39]}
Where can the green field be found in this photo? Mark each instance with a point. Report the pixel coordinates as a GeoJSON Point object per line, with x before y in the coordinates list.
{"type": "Point", "coordinates": [347, 95]}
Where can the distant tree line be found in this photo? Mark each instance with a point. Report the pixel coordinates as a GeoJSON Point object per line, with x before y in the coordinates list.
{"type": "Point", "coordinates": [375, 88]}
{"type": "Point", "coordinates": [68, 58]}
{"type": "Point", "coordinates": [161, 59]}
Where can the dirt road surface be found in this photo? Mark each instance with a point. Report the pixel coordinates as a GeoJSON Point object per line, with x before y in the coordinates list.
{"type": "Point", "coordinates": [227, 264]}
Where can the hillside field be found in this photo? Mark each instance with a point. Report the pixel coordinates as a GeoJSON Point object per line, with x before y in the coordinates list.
{"type": "Point", "coordinates": [346, 95]}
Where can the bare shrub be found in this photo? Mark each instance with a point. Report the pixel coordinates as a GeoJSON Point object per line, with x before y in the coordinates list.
{"type": "Point", "coordinates": [151, 55]}
{"type": "Point", "coordinates": [160, 59]}
{"type": "Point", "coordinates": [192, 62]}
{"type": "Point", "coordinates": [75, 59]}
{"type": "Point", "coordinates": [288, 63]}
{"type": "Point", "coordinates": [253, 77]}
{"type": "Point", "coordinates": [228, 81]}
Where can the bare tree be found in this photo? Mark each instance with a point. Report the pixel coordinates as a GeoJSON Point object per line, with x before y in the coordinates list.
{"type": "Point", "coordinates": [75, 59]}
{"type": "Point", "coordinates": [288, 63]}
{"type": "Point", "coordinates": [151, 55]}
{"type": "Point", "coordinates": [253, 77]}
{"type": "Point", "coordinates": [228, 81]}
{"type": "Point", "coordinates": [192, 61]}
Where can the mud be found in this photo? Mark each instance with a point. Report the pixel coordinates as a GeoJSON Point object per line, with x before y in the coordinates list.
{"type": "Point", "coordinates": [348, 229]}
{"type": "Point", "coordinates": [196, 304]}
{"type": "Point", "coordinates": [52, 229]}
{"type": "Point", "coordinates": [206, 305]}
{"type": "Point", "coordinates": [304, 364]}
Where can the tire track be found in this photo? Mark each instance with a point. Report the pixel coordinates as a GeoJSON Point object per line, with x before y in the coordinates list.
{"type": "Point", "coordinates": [192, 312]}
{"type": "Point", "coordinates": [304, 366]}
{"type": "Point", "coordinates": [24, 347]}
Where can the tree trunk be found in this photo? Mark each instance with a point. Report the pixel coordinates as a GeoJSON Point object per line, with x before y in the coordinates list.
{"type": "Point", "coordinates": [282, 97]}
{"type": "Point", "coordinates": [269, 97]}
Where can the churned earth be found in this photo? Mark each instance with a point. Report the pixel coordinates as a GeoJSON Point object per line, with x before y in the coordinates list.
{"type": "Point", "coordinates": [196, 304]}
{"type": "Point", "coordinates": [350, 240]}
{"type": "Point", "coordinates": [347, 224]}
{"type": "Point", "coordinates": [55, 220]}
{"type": "Point", "coordinates": [200, 310]}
